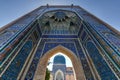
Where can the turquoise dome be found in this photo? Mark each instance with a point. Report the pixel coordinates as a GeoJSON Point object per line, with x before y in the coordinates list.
{"type": "Point", "coordinates": [59, 59]}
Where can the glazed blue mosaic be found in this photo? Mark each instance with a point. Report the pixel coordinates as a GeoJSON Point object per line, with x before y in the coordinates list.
{"type": "Point", "coordinates": [15, 67]}
{"type": "Point", "coordinates": [71, 45]}
{"type": "Point", "coordinates": [93, 42]}
{"type": "Point", "coordinates": [99, 62]}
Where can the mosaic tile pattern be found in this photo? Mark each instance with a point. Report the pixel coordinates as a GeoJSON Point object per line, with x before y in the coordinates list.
{"type": "Point", "coordinates": [113, 40]}
{"type": "Point", "coordinates": [100, 28]}
{"type": "Point", "coordinates": [84, 62]}
{"type": "Point", "coordinates": [9, 33]}
{"type": "Point", "coordinates": [52, 43]}
{"type": "Point", "coordinates": [15, 67]}
{"type": "Point", "coordinates": [100, 64]}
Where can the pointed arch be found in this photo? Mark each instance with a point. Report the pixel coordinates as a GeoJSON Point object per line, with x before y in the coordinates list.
{"type": "Point", "coordinates": [61, 74]}
{"type": "Point", "coordinates": [41, 68]}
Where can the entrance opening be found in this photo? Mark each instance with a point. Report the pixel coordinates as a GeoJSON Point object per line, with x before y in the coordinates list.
{"type": "Point", "coordinates": [59, 75]}
{"type": "Point", "coordinates": [43, 62]}
{"type": "Point", "coordinates": [60, 67]}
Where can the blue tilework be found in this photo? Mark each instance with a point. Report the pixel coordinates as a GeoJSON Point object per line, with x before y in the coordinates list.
{"type": "Point", "coordinates": [9, 33]}
{"type": "Point", "coordinates": [31, 71]}
{"type": "Point", "coordinates": [100, 64]}
{"type": "Point", "coordinates": [86, 68]}
{"type": "Point", "coordinates": [52, 43]}
{"type": "Point", "coordinates": [113, 40]}
{"type": "Point", "coordinates": [100, 28]}
{"type": "Point", "coordinates": [49, 46]}
{"type": "Point", "coordinates": [71, 44]}
{"type": "Point", "coordinates": [83, 35]}
{"type": "Point", "coordinates": [15, 67]}
{"type": "Point", "coordinates": [59, 36]}
{"type": "Point", "coordinates": [81, 29]}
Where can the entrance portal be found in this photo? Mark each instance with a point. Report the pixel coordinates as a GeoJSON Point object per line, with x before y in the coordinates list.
{"type": "Point", "coordinates": [41, 68]}
{"type": "Point", "coordinates": [27, 44]}
{"type": "Point", "coordinates": [59, 75]}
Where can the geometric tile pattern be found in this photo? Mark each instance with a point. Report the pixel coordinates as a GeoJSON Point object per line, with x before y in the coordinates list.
{"type": "Point", "coordinates": [100, 64]}
{"type": "Point", "coordinates": [15, 67]}
{"type": "Point", "coordinates": [52, 43]}
{"type": "Point", "coordinates": [13, 33]}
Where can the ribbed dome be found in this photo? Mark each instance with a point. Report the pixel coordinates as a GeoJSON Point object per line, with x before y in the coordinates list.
{"type": "Point", "coordinates": [59, 59]}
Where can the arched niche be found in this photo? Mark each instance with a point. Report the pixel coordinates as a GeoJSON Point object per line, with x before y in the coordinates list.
{"type": "Point", "coordinates": [59, 75]}
{"type": "Point", "coordinates": [41, 68]}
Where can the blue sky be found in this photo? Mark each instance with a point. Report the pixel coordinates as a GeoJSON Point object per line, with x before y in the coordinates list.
{"type": "Point", "coordinates": [106, 10]}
